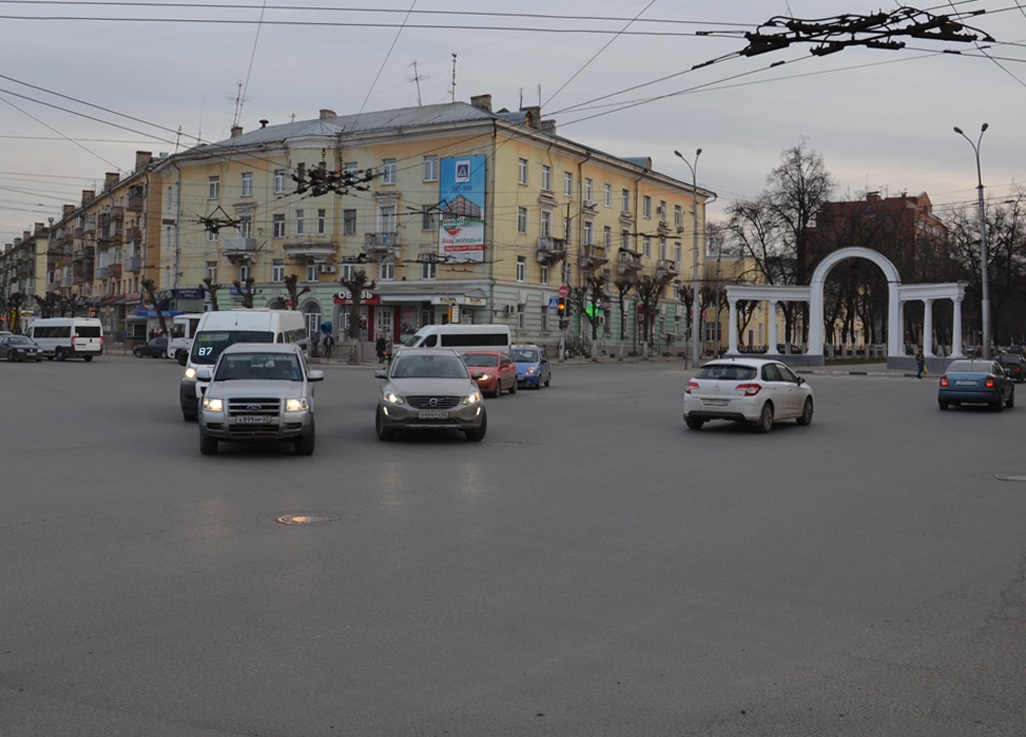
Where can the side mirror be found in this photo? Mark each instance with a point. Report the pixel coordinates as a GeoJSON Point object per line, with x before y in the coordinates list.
{"type": "Point", "coordinates": [204, 374]}
{"type": "Point", "coordinates": [380, 374]}
{"type": "Point", "coordinates": [315, 375]}
{"type": "Point", "coordinates": [801, 380]}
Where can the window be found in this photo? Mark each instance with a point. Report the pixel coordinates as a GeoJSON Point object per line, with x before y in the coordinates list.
{"type": "Point", "coordinates": [388, 171]}
{"type": "Point", "coordinates": [546, 177]}
{"type": "Point", "coordinates": [430, 168]}
{"type": "Point", "coordinates": [386, 270]}
{"type": "Point", "coordinates": [347, 271]}
{"type": "Point", "coordinates": [245, 272]}
{"type": "Point", "coordinates": [678, 216]}
{"type": "Point", "coordinates": [607, 237]}
{"type": "Point", "coordinates": [589, 189]}
{"type": "Point", "coordinates": [568, 184]}
{"type": "Point", "coordinates": [662, 211]}
{"type": "Point", "coordinates": [386, 218]}
{"type": "Point", "coordinates": [322, 222]}
{"type": "Point", "coordinates": [311, 272]}
{"type": "Point", "coordinates": [521, 268]}
{"type": "Point", "coordinates": [246, 226]}
{"type": "Point", "coordinates": [211, 236]}
{"type": "Point", "coordinates": [299, 222]}
{"type": "Point", "coordinates": [280, 181]}
{"type": "Point", "coordinates": [350, 166]}
{"type": "Point", "coordinates": [211, 271]}
{"type": "Point", "coordinates": [546, 224]}
{"type": "Point", "coordinates": [625, 200]}
{"type": "Point", "coordinates": [349, 222]}
{"type": "Point", "coordinates": [646, 246]}
{"type": "Point", "coordinates": [429, 218]}
{"type": "Point", "coordinates": [544, 317]}
{"type": "Point", "coordinates": [662, 247]}
{"type": "Point", "coordinates": [247, 184]}
{"type": "Point", "coordinates": [544, 276]}
{"type": "Point", "coordinates": [213, 188]}
{"type": "Point", "coordinates": [589, 232]}
{"type": "Point", "coordinates": [278, 226]}
{"type": "Point", "coordinates": [676, 252]}
{"type": "Point", "coordinates": [278, 271]}
{"type": "Point", "coordinates": [521, 317]}
{"type": "Point", "coordinates": [521, 219]}
{"type": "Point", "coordinates": [428, 270]}
{"type": "Point", "coordinates": [625, 240]}
{"type": "Point", "coordinates": [607, 195]}
{"type": "Point", "coordinates": [646, 207]}
{"type": "Point", "coordinates": [521, 171]}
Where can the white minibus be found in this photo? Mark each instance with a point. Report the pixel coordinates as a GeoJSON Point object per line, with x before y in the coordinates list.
{"type": "Point", "coordinates": [68, 337]}
{"type": "Point", "coordinates": [463, 338]}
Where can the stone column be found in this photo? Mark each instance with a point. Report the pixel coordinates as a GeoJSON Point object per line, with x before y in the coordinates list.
{"type": "Point", "coordinates": [771, 349]}
{"type": "Point", "coordinates": [732, 326]}
{"type": "Point", "coordinates": [928, 328]}
{"type": "Point", "coordinates": [956, 329]}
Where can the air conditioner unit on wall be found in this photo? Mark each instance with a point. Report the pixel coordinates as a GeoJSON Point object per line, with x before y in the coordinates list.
{"type": "Point", "coordinates": [327, 269]}
{"type": "Point", "coordinates": [511, 309]}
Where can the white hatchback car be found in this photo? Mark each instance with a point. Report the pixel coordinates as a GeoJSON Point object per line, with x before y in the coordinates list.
{"type": "Point", "coordinates": [752, 390]}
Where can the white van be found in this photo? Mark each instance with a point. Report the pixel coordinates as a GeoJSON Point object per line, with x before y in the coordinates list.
{"type": "Point", "coordinates": [68, 337]}
{"type": "Point", "coordinates": [463, 338]}
{"type": "Point", "coordinates": [218, 330]}
{"type": "Point", "coordinates": [183, 330]}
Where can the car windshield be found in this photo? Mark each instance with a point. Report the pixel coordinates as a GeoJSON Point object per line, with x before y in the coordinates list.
{"type": "Point", "coordinates": [523, 355]}
{"type": "Point", "coordinates": [726, 372]}
{"type": "Point", "coordinates": [422, 367]}
{"type": "Point", "coordinates": [18, 340]}
{"type": "Point", "coordinates": [259, 366]}
{"type": "Point", "coordinates": [968, 367]}
{"type": "Point", "coordinates": [480, 359]}
{"type": "Point", "coordinates": [210, 344]}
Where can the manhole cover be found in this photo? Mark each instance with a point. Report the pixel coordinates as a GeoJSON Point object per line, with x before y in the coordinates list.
{"type": "Point", "coordinates": [1011, 477]}
{"type": "Point", "coordinates": [306, 518]}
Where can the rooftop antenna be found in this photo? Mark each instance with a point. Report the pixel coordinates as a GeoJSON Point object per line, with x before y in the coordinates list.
{"type": "Point", "coordinates": [416, 78]}
{"type": "Point", "coordinates": [452, 95]}
{"type": "Point", "coordinates": [539, 95]}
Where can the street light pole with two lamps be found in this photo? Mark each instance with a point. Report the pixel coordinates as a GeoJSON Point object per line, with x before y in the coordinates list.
{"type": "Point", "coordinates": [695, 308]}
{"type": "Point", "coordinates": [984, 275]}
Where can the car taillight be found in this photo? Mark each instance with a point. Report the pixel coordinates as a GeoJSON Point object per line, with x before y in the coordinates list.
{"type": "Point", "coordinates": [989, 383]}
{"type": "Point", "coordinates": [750, 390]}
{"type": "Point", "coordinates": [691, 385]}
{"type": "Point", "coordinates": [944, 381]}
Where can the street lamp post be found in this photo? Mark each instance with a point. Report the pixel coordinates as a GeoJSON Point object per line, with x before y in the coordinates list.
{"type": "Point", "coordinates": [695, 310]}
{"type": "Point", "coordinates": [984, 277]}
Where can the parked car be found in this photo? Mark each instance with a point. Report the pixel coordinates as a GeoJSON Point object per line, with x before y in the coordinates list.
{"type": "Point", "coordinates": [258, 392]}
{"type": "Point", "coordinates": [19, 348]}
{"type": "Point", "coordinates": [429, 388]}
{"type": "Point", "coordinates": [1014, 365]}
{"type": "Point", "coordinates": [758, 391]}
{"type": "Point", "coordinates": [154, 348]}
{"type": "Point", "coordinates": [976, 382]}
{"type": "Point", "coordinates": [494, 371]}
{"type": "Point", "coordinates": [533, 367]}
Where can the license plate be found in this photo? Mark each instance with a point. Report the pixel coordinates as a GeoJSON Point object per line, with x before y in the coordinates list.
{"type": "Point", "coordinates": [965, 383]}
{"type": "Point", "coordinates": [254, 420]}
{"type": "Point", "coordinates": [715, 402]}
{"type": "Point", "coordinates": [433, 414]}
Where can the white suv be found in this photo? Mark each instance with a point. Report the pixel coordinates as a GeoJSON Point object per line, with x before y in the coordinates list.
{"type": "Point", "coordinates": [258, 392]}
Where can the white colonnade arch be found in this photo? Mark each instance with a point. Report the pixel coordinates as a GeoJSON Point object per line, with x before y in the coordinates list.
{"type": "Point", "coordinates": [897, 295]}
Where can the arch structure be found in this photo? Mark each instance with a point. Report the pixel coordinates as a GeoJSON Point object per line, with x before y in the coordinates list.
{"type": "Point", "coordinates": [897, 295]}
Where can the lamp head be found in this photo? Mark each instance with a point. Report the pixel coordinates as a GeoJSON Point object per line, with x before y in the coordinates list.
{"type": "Point", "coordinates": [984, 127]}
{"type": "Point", "coordinates": [958, 131]}
{"type": "Point", "coordinates": [698, 153]}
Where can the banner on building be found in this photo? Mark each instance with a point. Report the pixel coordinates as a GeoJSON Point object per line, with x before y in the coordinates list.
{"type": "Point", "coordinates": [462, 202]}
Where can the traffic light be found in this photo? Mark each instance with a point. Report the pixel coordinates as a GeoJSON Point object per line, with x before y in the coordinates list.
{"type": "Point", "coordinates": [561, 311]}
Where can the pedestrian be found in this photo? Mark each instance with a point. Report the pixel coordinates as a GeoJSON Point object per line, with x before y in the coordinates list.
{"type": "Point", "coordinates": [329, 343]}
{"type": "Point", "coordinates": [388, 351]}
{"type": "Point", "coordinates": [920, 363]}
{"type": "Point", "coordinates": [379, 347]}
{"type": "Point", "coordinates": [314, 338]}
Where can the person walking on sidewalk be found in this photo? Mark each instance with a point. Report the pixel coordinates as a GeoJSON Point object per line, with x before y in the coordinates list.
{"type": "Point", "coordinates": [379, 348]}
{"type": "Point", "coordinates": [920, 363]}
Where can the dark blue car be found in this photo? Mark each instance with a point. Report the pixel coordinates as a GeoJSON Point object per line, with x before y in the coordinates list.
{"type": "Point", "coordinates": [976, 382]}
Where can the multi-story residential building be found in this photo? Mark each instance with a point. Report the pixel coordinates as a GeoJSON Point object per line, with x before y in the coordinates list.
{"type": "Point", "coordinates": [469, 210]}
{"type": "Point", "coordinates": [22, 266]}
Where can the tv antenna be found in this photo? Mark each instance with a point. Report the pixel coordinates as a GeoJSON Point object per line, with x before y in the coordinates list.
{"type": "Point", "coordinates": [416, 78]}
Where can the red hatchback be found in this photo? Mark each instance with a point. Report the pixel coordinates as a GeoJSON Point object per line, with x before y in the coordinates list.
{"type": "Point", "coordinates": [494, 371]}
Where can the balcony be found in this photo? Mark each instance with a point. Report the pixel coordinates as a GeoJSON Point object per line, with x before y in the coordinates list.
{"type": "Point", "coordinates": [377, 245]}
{"type": "Point", "coordinates": [135, 203]}
{"type": "Point", "coordinates": [628, 262]}
{"type": "Point", "coordinates": [102, 272]}
{"type": "Point", "coordinates": [666, 267]}
{"type": "Point", "coordinates": [592, 257]}
{"type": "Point", "coordinates": [67, 282]}
{"type": "Point", "coordinates": [551, 250]}
{"type": "Point", "coordinates": [239, 249]}
{"type": "Point", "coordinates": [133, 234]}
{"type": "Point", "coordinates": [133, 264]}
{"type": "Point", "coordinates": [114, 271]}
{"type": "Point", "coordinates": [318, 251]}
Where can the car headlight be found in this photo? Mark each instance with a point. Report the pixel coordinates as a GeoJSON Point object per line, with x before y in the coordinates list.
{"type": "Point", "coordinates": [472, 398]}
{"type": "Point", "coordinates": [484, 377]}
{"type": "Point", "coordinates": [213, 404]}
{"type": "Point", "coordinates": [531, 371]}
{"type": "Point", "coordinates": [296, 404]}
{"type": "Point", "coordinates": [190, 373]}
{"type": "Point", "coordinates": [392, 398]}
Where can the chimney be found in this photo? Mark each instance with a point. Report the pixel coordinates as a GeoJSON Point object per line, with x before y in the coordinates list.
{"type": "Point", "coordinates": [142, 159]}
{"type": "Point", "coordinates": [40, 229]}
{"type": "Point", "coordinates": [264, 122]}
{"type": "Point", "coordinates": [236, 131]}
{"type": "Point", "coordinates": [532, 116]}
{"type": "Point", "coordinates": [87, 196]}
{"type": "Point", "coordinates": [482, 101]}
{"type": "Point", "coordinates": [110, 180]}
{"type": "Point", "coordinates": [68, 209]}
{"type": "Point", "coordinates": [549, 126]}
{"type": "Point", "coordinates": [872, 196]}
{"type": "Point", "coordinates": [326, 113]}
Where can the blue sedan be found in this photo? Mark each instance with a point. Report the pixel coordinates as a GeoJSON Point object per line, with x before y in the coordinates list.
{"type": "Point", "coordinates": [976, 382]}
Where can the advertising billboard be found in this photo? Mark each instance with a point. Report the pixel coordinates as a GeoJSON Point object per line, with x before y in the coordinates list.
{"type": "Point", "coordinates": [462, 202]}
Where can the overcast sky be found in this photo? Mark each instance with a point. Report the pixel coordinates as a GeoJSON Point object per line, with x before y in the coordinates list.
{"type": "Point", "coordinates": [84, 84]}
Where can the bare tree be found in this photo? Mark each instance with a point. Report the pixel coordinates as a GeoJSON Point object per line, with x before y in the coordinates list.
{"type": "Point", "coordinates": [210, 289]}
{"type": "Point", "coordinates": [150, 292]}
{"type": "Point", "coordinates": [291, 286]}
{"type": "Point", "coordinates": [246, 291]}
{"type": "Point", "coordinates": [356, 285]}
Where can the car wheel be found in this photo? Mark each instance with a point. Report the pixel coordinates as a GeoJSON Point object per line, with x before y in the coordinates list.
{"type": "Point", "coordinates": [998, 405]}
{"type": "Point", "coordinates": [548, 379]}
{"type": "Point", "coordinates": [59, 354]}
{"type": "Point", "coordinates": [765, 422]}
{"type": "Point", "coordinates": [513, 388]}
{"type": "Point", "coordinates": [305, 443]}
{"type": "Point", "coordinates": [208, 445]}
{"type": "Point", "coordinates": [189, 416]}
{"type": "Point", "coordinates": [10, 357]}
{"type": "Point", "coordinates": [805, 418]}
{"type": "Point", "coordinates": [943, 403]}
{"type": "Point", "coordinates": [137, 353]}
{"type": "Point", "coordinates": [693, 423]}
{"type": "Point", "coordinates": [183, 358]}
{"type": "Point", "coordinates": [498, 389]}
{"type": "Point", "coordinates": [87, 358]}
{"type": "Point", "coordinates": [477, 435]}
{"type": "Point", "coordinates": [39, 359]}
{"type": "Point", "coordinates": [163, 354]}
{"type": "Point", "coordinates": [1011, 400]}
{"type": "Point", "coordinates": [383, 432]}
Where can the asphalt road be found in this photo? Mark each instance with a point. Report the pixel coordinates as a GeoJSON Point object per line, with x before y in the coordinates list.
{"type": "Point", "coordinates": [591, 568]}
